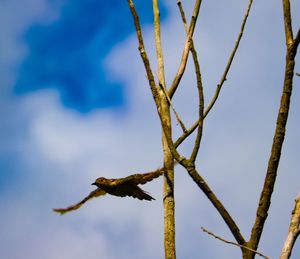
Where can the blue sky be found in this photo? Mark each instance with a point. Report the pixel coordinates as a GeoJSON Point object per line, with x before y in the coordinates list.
{"type": "Point", "coordinates": [67, 54]}
{"type": "Point", "coordinates": [75, 105]}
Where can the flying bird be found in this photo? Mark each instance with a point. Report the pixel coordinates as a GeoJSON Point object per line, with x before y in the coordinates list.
{"type": "Point", "coordinates": [121, 187]}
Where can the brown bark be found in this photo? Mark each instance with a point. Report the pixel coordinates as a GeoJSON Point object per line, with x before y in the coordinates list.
{"type": "Point", "coordinates": [271, 174]}
{"type": "Point", "coordinates": [294, 231]}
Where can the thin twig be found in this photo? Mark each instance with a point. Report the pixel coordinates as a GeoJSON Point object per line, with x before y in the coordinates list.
{"type": "Point", "coordinates": [233, 243]}
{"type": "Point", "coordinates": [171, 105]}
{"type": "Point", "coordinates": [199, 87]}
{"type": "Point", "coordinates": [182, 15]}
{"type": "Point", "coordinates": [297, 40]}
{"type": "Point", "coordinates": [187, 133]}
{"type": "Point", "coordinates": [186, 50]}
{"type": "Point", "coordinates": [223, 79]}
{"type": "Point", "coordinates": [224, 76]}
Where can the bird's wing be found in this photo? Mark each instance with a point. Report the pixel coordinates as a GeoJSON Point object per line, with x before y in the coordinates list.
{"type": "Point", "coordinates": [96, 193]}
{"type": "Point", "coordinates": [140, 194]}
{"type": "Point", "coordinates": [143, 178]}
{"type": "Point", "coordinates": [131, 189]}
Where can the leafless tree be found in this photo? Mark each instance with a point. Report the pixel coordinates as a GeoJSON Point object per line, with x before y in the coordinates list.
{"type": "Point", "coordinates": [162, 94]}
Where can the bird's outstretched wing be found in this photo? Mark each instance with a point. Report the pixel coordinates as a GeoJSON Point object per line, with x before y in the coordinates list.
{"type": "Point", "coordinates": [143, 178]}
{"type": "Point", "coordinates": [96, 193]}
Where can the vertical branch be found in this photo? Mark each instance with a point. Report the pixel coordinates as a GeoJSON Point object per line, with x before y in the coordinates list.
{"type": "Point", "coordinates": [271, 174]}
{"type": "Point", "coordinates": [294, 231]}
{"type": "Point", "coordinates": [169, 201]}
{"type": "Point", "coordinates": [287, 22]}
{"type": "Point", "coordinates": [159, 53]}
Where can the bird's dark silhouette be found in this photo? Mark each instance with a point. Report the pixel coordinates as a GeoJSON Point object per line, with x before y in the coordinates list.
{"type": "Point", "coordinates": [121, 187]}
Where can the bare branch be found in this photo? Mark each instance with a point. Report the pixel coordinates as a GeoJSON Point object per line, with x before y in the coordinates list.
{"type": "Point", "coordinates": [201, 105]}
{"type": "Point", "coordinates": [175, 112]}
{"type": "Point", "coordinates": [287, 22]}
{"type": "Point", "coordinates": [222, 80]}
{"type": "Point", "coordinates": [297, 39]}
{"type": "Point", "coordinates": [233, 243]}
{"type": "Point", "coordinates": [158, 47]}
{"type": "Point", "coordinates": [170, 142]}
{"type": "Point", "coordinates": [237, 43]}
{"type": "Point", "coordinates": [182, 15]}
{"type": "Point", "coordinates": [294, 46]}
{"type": "Point", "coordinates": [154, 89]}
{"type": "Point", "coordinates": [190, 167]}
{"type": "Point", "coordinates": [164, 112]}
{"type": "Point", "coordinates": [293, 232]}
{"type": "Point", "coordinates": [143, 53]}
{"type": "Point", "coordinates": [199, 87]}
{"type": "Point", "coordinates": [186, 49]}
{"type": "Point", "coordinates": [187, 133]}
{"type": "Point", "coordinates": [278, 139]}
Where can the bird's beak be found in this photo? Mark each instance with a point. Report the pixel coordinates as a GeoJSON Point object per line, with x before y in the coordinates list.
{"type": "Point", "coordinates": [93, 184]}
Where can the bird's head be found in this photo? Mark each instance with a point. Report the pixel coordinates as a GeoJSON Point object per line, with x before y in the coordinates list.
{"type": "Point", "coordinates": [100, 181]}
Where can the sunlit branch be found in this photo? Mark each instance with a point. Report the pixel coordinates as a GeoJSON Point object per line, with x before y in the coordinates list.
{"type": "Point", "coordinates": [164, 112]}
{"type": "Point", "coordinates": [293, 232]}
{"type": "Point", "coordinates": [287, 22]}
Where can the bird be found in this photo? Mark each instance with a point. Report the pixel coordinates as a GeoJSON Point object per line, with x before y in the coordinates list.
{"type": "Point", "coordinates": [127, 186]}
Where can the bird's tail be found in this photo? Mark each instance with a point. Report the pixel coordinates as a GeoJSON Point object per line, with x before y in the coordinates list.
{"type": "Point", "coordinates": [142, 195]}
